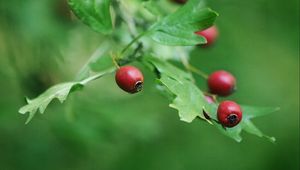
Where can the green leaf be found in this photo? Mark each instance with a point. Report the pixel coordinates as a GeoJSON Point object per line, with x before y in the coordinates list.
{"type": "Point", "coordinates": [188, 99]}
{"type": "Point", "coordinates": [259, 111]}
{"type": "Point", "coordinates": [233, 133]}
{"type": "Point", "coordinates": [246, 124]}
{"type": "Point", "coordinates": [163, 67]}
{"type": "Point", "coordinates": [59, 91]}
{"type": "Point", "coordinates": [179, 28]}
{"type": "Point", "coordinates": [94, 13]}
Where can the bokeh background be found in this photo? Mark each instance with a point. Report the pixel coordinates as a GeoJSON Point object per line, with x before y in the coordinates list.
{"type": "Point", "coordinates": [101, 127]}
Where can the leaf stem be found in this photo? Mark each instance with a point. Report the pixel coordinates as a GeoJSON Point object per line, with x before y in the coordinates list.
{"type": "Point", "coordinates": [85, 68]}
{"type": "Point", "coordinates": [191, 68]}
{"type": "Point", "coordinates": [114, 60]}
{"type": "Point", "coordinates": [98, 75]}
{"type": "Point", "coordinates": [186, 64]}
{"type": "Point", "coordinates": [197, 71]}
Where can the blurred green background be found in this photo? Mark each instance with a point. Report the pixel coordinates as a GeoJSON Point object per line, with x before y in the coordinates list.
{"type": "Point", "coordinates": [101, 127]}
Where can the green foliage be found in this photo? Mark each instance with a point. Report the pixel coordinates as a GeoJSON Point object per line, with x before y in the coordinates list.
{"type": "Point", "coordinates": [174, 29]}
{"type": "Point", "coordinates": [190, 102]}
{"type": "Point", "coordinates": [163, 67]}
{"type": "Point", "coordinates": [179, 28]}
{"type": "Point", "coordinates": [59, 91]}
{"type": "Point", "coordinates": [246, 124]}
{"type": "Point", "coordinates": [94, 13]}
{"type": "Point", "coordinates": [100, 127]}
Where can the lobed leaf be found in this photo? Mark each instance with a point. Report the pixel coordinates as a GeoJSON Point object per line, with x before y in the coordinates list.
{"type": "Point", "coordinates": [258, 111]}
{"type": "Point", "coordinates": [164, 67]}
{"type": "Point", "coordinates": [188, 98]}
{"type": "Point", "coordinates": [179, 28]}
{"type": "Point", "coordinates": [190, 101]}
{"type": "Point", "coordinates": [246, 124]}
{"type": "Point", "coordinates": [94, 13]}
{"type": "Point", "coordinates": [59, 91]}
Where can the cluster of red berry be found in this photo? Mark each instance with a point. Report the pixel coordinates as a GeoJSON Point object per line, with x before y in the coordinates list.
{"type": "Point", "coordinates": [220, 83]}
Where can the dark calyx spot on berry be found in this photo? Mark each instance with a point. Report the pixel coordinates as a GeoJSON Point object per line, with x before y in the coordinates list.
{"type": "Point", "coordinates": [232, 118]}
{"type": "Point", "coordinates": [138, 86]}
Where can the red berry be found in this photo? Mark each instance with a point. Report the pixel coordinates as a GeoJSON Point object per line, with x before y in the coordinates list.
{"type": "Point", "coordinates": [179, 1]}
{"type": "Point", "coordinates": [229, 113]}
{"type": "Point", "coordinates": [221, 83]}
{"type": "Point", "coordinates": [210, 34]}
{"type": "Point", "coordinates": [130, 79]}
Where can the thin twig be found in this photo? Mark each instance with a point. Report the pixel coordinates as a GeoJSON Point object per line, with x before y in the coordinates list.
{"type": "Point", "coordinates": [98, 75]}
{"type": "Point", "coordinates": [113, 57]}
{"type": "Point", "coordinates": [197, 71]}
{"type": "Point", "coordinates": [132, 42]}
{"type": "Point", "coordinates": [186, 64]}
{"type": "Point", "coordinates": [101, 48]}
